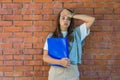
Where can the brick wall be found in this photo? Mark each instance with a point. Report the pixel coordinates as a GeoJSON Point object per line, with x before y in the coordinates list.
{"type": "Point", "coordinates": [24, 25]}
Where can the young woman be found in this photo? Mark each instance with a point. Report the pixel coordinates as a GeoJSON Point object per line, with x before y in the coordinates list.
{"type": "Point", "coordinates": [76, 37]}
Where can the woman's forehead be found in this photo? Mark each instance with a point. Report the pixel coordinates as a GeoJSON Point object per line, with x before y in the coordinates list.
{"type": "Point", "coordinates": [65, 11]}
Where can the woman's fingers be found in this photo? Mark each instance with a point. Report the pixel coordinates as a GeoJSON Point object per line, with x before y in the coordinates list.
{"type": "Point", "coordinates": [65, 62]}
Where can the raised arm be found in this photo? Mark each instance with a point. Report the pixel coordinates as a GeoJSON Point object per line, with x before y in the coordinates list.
{"type": "Point", "coordinates": [87, 19]}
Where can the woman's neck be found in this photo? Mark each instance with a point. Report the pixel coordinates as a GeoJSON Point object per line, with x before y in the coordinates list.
{"type": "Point", "coordinates": [63, 29]}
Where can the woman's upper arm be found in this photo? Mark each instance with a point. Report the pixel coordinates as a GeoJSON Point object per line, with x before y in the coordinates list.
{"type": "Point", "coordinates": [45, 54]}
{"type": "Point", "coordinates": [89, 24]}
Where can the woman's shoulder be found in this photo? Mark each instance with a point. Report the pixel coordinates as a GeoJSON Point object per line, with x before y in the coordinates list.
{"type": "Point", "coordinates": [50, 35]}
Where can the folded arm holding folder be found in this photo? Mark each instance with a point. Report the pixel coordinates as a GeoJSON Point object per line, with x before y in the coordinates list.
{"type": "Point", "coordinates": [58, 48]}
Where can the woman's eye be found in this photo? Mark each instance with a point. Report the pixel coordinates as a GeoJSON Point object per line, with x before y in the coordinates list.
{"type": "Point", "coordinates": [63, 18]}
{"type": "Point", "coordinates": [69, 19]}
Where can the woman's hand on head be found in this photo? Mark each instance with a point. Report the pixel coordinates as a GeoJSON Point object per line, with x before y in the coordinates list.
{"type": "Point", "coordinates": [67, 13]}
{"type": "Point", "coordinates": [65, 62]}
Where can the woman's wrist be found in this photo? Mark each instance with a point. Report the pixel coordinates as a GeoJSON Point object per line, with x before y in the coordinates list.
{"type": "Point", "coordinates": [72, 15]}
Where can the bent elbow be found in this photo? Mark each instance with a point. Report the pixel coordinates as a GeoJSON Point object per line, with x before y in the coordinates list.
{"type": "Point", "coordinates": [44, 59]}
{"type": "Point", "coordinates": [93, 19]}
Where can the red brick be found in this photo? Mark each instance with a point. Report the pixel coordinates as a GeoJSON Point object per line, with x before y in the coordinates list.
{"type": "Point", "coordinates": [82, 1]}
{"type": "Point", "coordinates": [88, 45]}
{"type": "Point", "coordinates": [6, 68]}
{"type": "Point", "coordinates": [22, 11]}
{"type": "Point", "coordinates": [93, 5]}
{"type": "Point", "coordinates": [13, 29]}
{"type": "Point", "coordinates": [13, 74]}
{"type": "Point", "coordinates": [115, 22]}
{"type": "Point", "coordinates": [32, 63]}
{"type": "Point", "coordinates": [110, 51]}
{"type": "Point", "coordinates": [39, 34]}
{"type": "Point", "coordinates": [6, 1]}
{"type": "Point", "coordinates": [6, 57]}
{"type": "Point", "coordinates": [38, 45]}
{"type": "Point", "coordinates": [5, 46]}
{"type": "Point", "coordinates": [1, 63]}
{"type": "Point", "coordinates": [93, 51]}
{"type": "Point", "coordinates": [63, 1]}
{"type": "Point", "coordinates": [23, 23]}
{"type": "Point", "coordinates": [107, 34]}
{"type": "Point", "coordinates": [23, 68]}
{"type": "Point", "coordinates": [12, 40]}
{"type": "Point", "coordinates": [42, 68]}
{"type": "Point", "coordinates": [32, 29]}
{"type": "Point", "coordinates": [103, 11]}
{"type": "Point", "coordinates": [4, 11]}
{"type": "Point", "coordinates": [22, 57]}
{"type": "Point", "coordinates": [0, 17]}
{"type": "Point", "coordinates": [32, 40]}
{"type": "Point", "coordinates": [73, 5]}
{"type": "Point", "coordinates": [56, 11]}
{"type": "Point", "coordinates": [1, 73]}
{"type": "Point", "coordinates": [50, 17]}
{"type": "Point", "coordinates": [51, 29]}
{"type": "Point", "coordinates": [12, 51]}
{"type": "Point", "coordinates": [23, 34]}
{"type": "Point", "coordinates": [45, 73]}
{"type": "Point", "coordinates": [22, 1]}
{"type": "Point", "coordinates": [24, 78]}
{"type": "Point", "coordinates": [104, 1]}
{"type": "Point", "coordinates": [103, 56]}
{"type": "Point", "coordinates": [32, 17]}
{"type": "Point", "coordinates": [42, 0]}
{"type": "Point", "coordinates": [52, 5]}
{"type": "Point", "coordinates": [42, 11]}
{"type": "Point", "coordinates": [1, 52]}
{"type": "Point", "coordinates": [5, 23]}
{"type": "Point", "coordinates": [94, 39]}
{"type": "Point", "coordinates": [11, 63]}
{"type": "Point", "coordinates": [102, 45]}
{"type": "Point", "coordinates": [117, 11]}
{"type": "Point", "coordinates": [12, 17]}
{"type": "Point", "coordinates": [38, 57]}
{"type": "Point", "coordinates": [41, 78]}
{"type": "Point", "coordinates": [112, 17]}
{"type": "Point", "coordinates": [12, 6]}
{"type": "Point", "coordinates": [1, 57]}
{"type": "Point", "coordinates": [115, 77]}
{"type": "Point", "coordinates": [0, 40]}
{"type": "Point", "coordinates": [84, 11]}
{"type": "Point", "coordinates": [33, 73]}
{"type": "Point", "coordinates": [6, 78]}
{"type": "Point", "coordinates": [1, 29]}
{"type": "Point", "coordinates": [114, 5]}
{"type": "Point", "coordinates": [32, 51]}
{"type": "Point", "coordinates": [103, 22]}
{"type": "Point", "coordinates": [22, 46]}
{"type": "Point", "coordinates": [86, 78]}
{"type": "Point", "coordinates": [32, 6]}
{"type": "Point", "coordinates": [43, 23]}
{"type": "Point", "coordinates": [5, 35]}
{"type": "Point", "coordinates": [116, 39]}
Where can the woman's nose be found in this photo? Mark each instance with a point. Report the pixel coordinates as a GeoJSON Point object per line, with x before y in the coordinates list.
{"type": "Point", "coordinates": [65, 19]}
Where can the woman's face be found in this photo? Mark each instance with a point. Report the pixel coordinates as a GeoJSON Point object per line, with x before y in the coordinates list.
{"type": "Point", "coordinates": [65, 20]}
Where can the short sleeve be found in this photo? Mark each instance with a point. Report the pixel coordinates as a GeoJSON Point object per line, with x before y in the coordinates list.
{"type": "Point", "coordinates": [84, 31]}
{"type": "Point", "coordinates": [46, 44]}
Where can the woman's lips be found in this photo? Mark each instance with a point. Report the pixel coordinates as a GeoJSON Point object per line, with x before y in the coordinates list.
{"type": "Point", "coordinates": [65, 23]}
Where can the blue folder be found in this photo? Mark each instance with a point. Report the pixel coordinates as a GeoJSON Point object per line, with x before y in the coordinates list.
{"type": "Point", "coordinates": [58, 48]}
